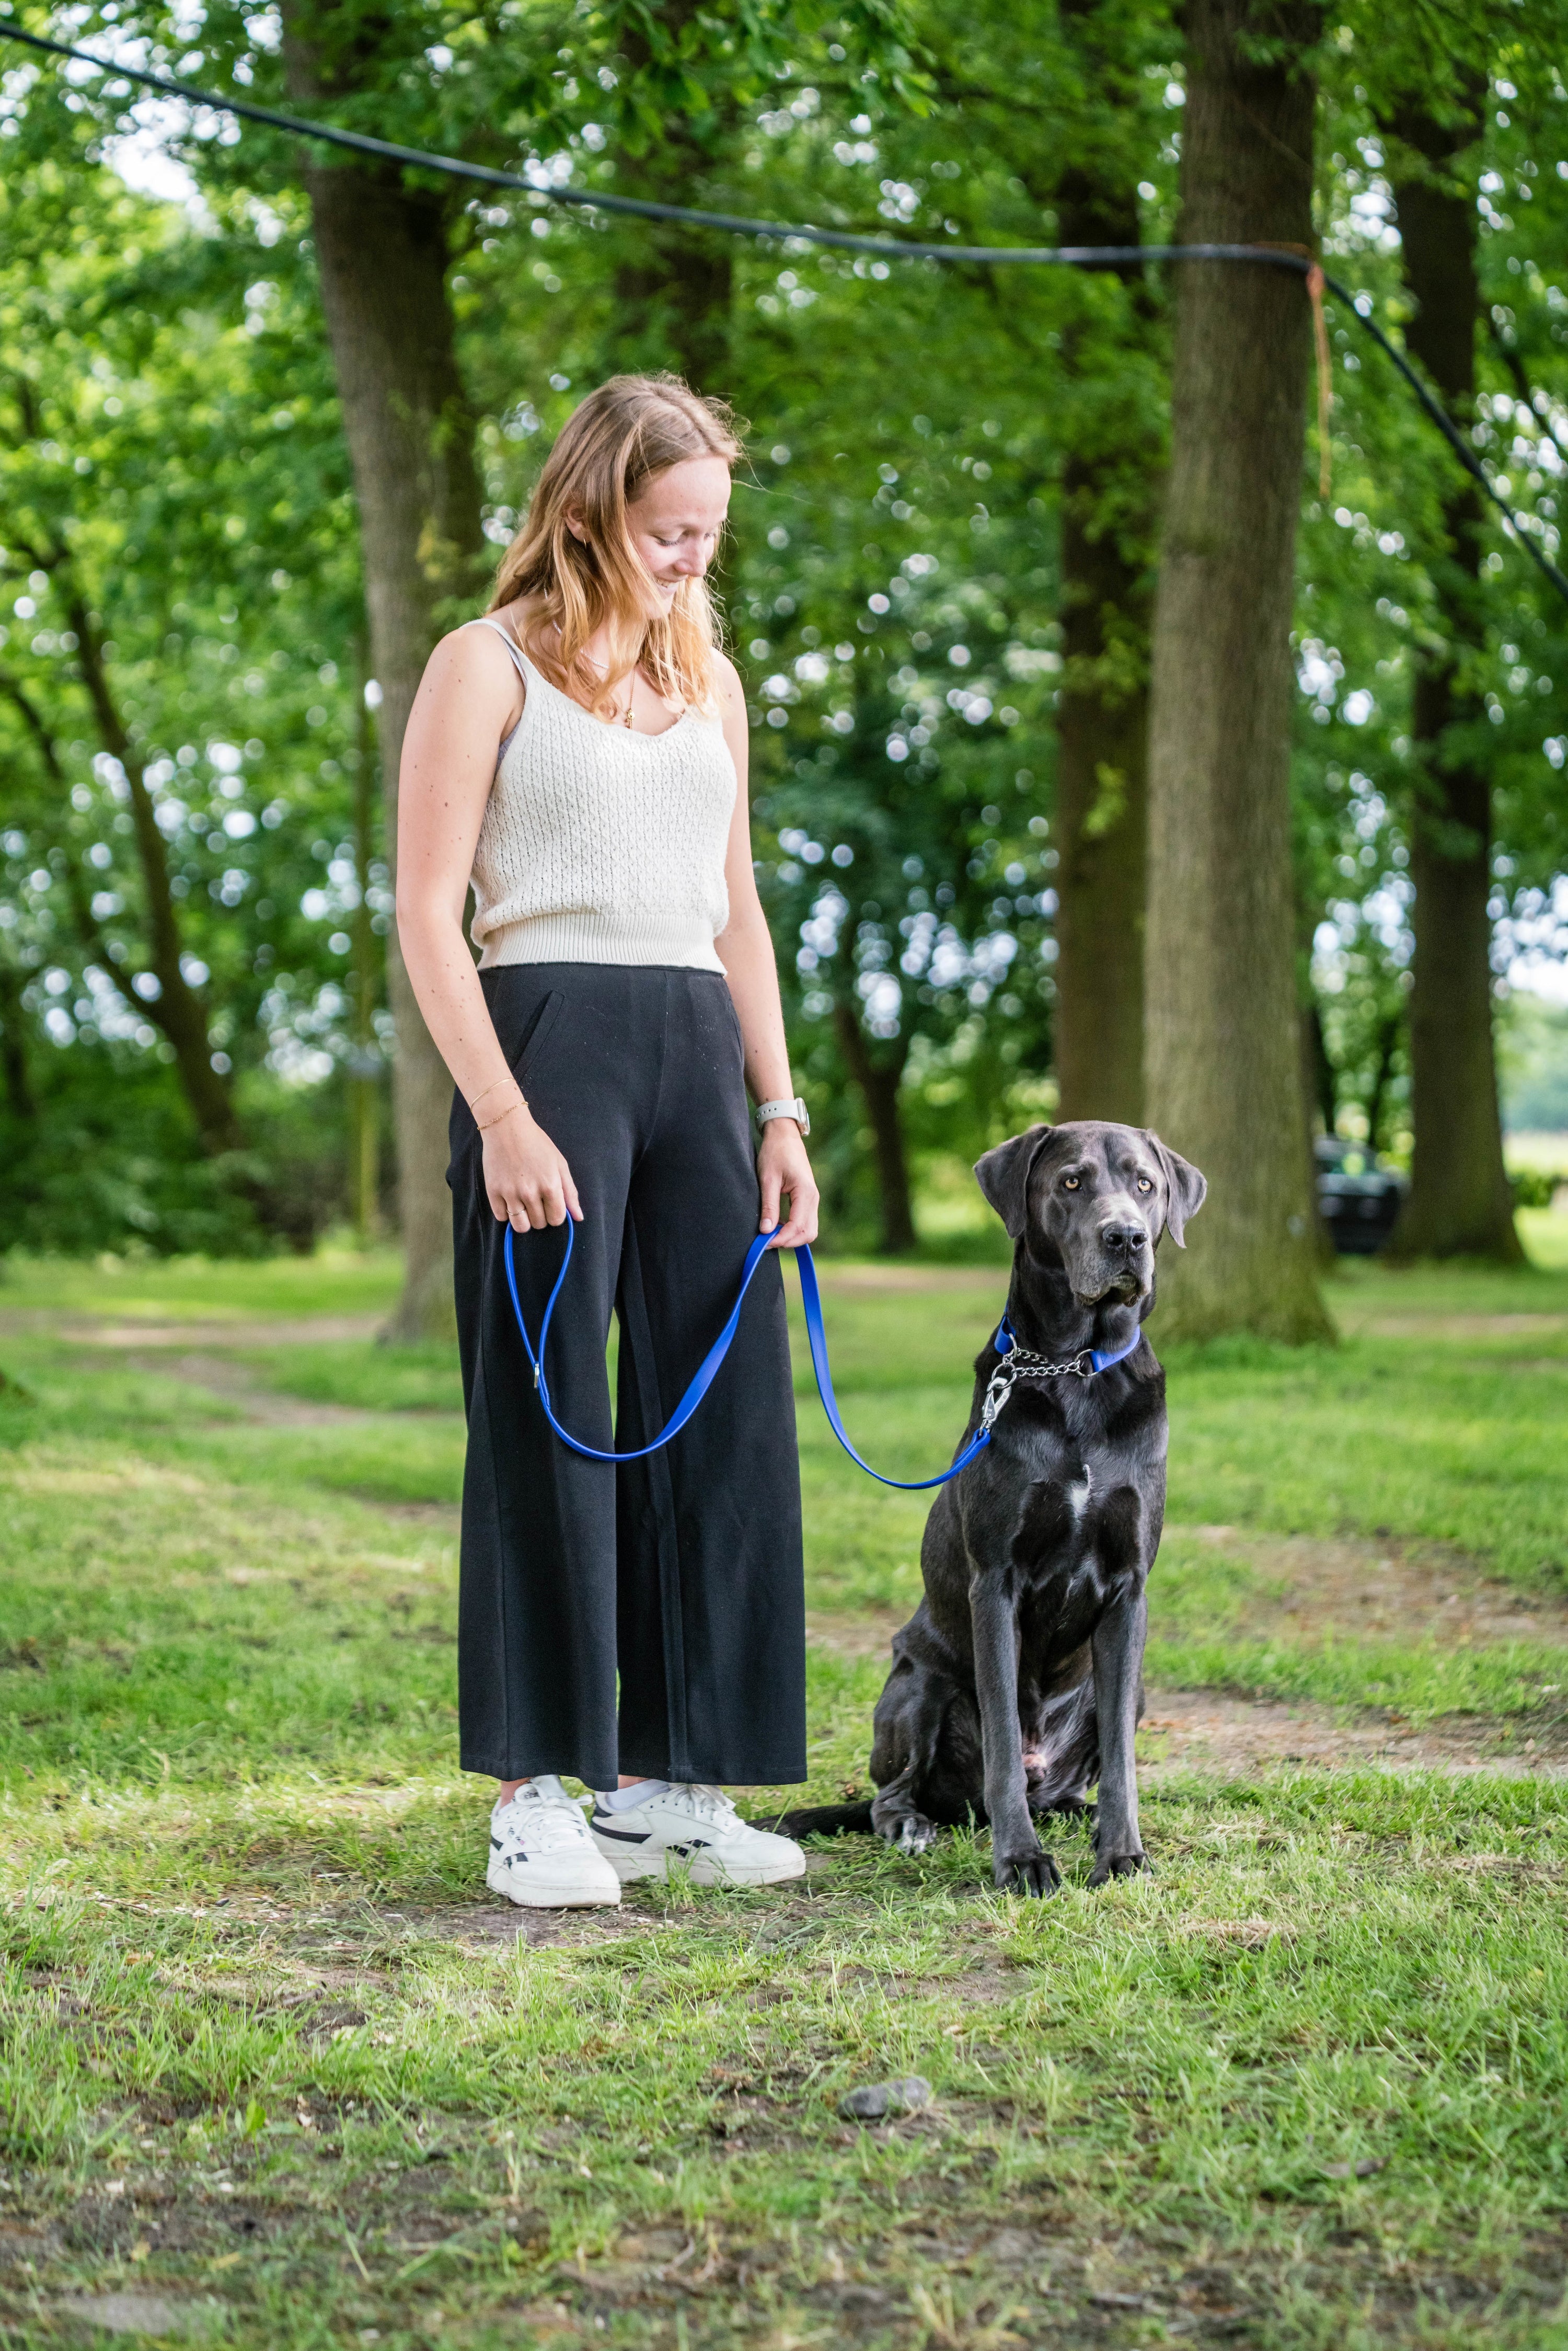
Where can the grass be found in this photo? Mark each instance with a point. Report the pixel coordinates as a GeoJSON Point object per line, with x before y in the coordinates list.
{"type": "Point", "coordinates": [275, 2071]}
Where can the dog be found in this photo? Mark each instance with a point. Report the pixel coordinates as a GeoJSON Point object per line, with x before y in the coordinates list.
{"type": "Point", "coordinates": [1018, 1683]}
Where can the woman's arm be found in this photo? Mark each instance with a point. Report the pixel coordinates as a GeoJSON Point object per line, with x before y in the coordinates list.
{"type": "Point", "coordinates": [469, 697]}
{"type": "Point", "coordinates": [746, 950]}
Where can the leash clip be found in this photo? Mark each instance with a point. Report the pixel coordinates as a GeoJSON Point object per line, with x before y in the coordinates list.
{"type": "Point", "coordinates": [999, 1389]}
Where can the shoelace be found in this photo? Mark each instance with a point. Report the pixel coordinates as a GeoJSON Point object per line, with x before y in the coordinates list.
{"type": "Point", "coordinates": [544, 1824]}
{"type": "Point", "coordinates": [709, 1804]}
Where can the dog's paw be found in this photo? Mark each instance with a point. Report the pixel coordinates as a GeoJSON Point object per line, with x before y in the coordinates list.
{"type": "Point", "coordinates": [911, 1833]}
{"type": "Point", "coordinates": [1031, 1873]}
{"type": "Point", "coordinates": [1120, 1865]}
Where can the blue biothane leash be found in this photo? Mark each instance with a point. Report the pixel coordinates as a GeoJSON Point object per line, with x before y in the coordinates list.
{"type": "Point", "coordinates": [1016, 1363]}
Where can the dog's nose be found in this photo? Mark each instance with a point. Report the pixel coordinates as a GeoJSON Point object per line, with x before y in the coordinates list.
{"type": "Point", "coordinates": [1123, 1239]}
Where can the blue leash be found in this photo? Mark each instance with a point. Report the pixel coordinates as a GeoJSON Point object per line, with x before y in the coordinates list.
{"type": "Point", "coordinates": [1018, 1364]}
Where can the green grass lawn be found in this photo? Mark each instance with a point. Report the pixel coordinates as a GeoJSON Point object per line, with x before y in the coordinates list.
{"type": "Point", "coordinates": [275, 2071]}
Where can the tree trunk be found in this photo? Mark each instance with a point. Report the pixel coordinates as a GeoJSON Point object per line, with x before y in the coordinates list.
{"type": "Point", "coordinates": [672, 296]}
{"type": "Point", "coordinates": [673, 285]}
{"type": "Point", "coordinates": [1101, 726]}
{"type": "Point", "coordinates": [17, 1083]}
{"type": "Point", "coordinates": [1459, 1203]}
{"type": "Point", "coordinates": [176, 1008]}
{"type": "Point", "coordinates": [382, 252]}
{"type": "Point", "coordinates": [1222, 1038]}
{"type": "Point", "coordinates": [878, 1082]}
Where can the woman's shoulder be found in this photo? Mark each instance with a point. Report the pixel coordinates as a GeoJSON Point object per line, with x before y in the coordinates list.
{"type": "Point", "coordinates": [727, 681]}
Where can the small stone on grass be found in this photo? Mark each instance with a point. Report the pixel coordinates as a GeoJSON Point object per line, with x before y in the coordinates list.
{"type": "Point", "coordinates": [874, 2101]}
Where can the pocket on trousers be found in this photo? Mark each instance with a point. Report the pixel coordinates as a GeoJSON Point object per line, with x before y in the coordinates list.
{"type": "Point", "coordinates": [535, 1036]}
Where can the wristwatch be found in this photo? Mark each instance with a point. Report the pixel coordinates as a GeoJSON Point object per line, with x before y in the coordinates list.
{"type": "Point", "coordinates": [796, 1110]}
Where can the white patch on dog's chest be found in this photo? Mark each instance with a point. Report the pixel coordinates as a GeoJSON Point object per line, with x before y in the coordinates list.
{"type": "Point", "coordinates": [1079, 1491]}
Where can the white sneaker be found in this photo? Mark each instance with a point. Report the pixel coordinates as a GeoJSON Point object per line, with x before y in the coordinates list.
{"type": "Point", "coordinates": [700, 1826]}
{"type": "Point", "coordinates": [541, 1855]}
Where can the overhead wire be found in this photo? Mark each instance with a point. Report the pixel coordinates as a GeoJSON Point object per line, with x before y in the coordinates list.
{"type": "Point", "coordinates": [884, 249]}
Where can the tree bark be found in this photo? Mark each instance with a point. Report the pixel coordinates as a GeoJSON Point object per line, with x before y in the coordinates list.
{"type": "Point", "coordinates": [878, 1082]}
{"type": "Point", "coordinates": [1101, 731]}
{"type": "Point", "coordinates": [20, 1100]}
{"type": "Point", "coordinates": [176, 1009]}
{"type": "Point", "coordinates": [382, 252]}
{"type": "Point", "coordinates": [1222, 1039]}
{"type": "Point", "coordinates": [1459, 1203]}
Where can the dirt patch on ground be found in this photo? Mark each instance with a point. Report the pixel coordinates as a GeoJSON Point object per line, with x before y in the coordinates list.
{"type": "Point", "coordinates": [1185, 1730]}
{"type": "Point", "coordinates": [1307, 1590]}
{"type": "Point", "coordinates": [1311, 1587]}
{"type": "Point", "coordinates": [210, 1331]}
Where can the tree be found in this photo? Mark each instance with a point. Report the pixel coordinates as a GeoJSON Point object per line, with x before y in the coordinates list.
{"type": "Point", "coordinates": [383, 251]}
{"type": "Point", "coordinates": [1223, 1060]}
{"type": "Point", "coordinates": [1460, 1203]}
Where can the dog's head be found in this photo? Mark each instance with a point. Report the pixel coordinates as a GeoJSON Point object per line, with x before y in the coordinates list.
{"type": "Point", "coordinates": [1090, 1200]}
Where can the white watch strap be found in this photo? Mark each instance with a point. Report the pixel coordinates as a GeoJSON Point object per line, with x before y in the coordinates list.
{"type": "Point", "coordinates": [795, 1110]}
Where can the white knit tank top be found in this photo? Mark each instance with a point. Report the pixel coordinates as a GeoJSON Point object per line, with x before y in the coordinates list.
{"type": "Point", "coordinates": [599, 845]}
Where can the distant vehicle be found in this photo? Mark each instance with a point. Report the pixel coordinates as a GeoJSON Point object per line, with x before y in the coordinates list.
{"type": "Point", "coordinates": [1359, 1196]}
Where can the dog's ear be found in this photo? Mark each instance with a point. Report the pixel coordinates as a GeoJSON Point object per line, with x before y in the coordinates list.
{"type": "Point", "coordinates": [1185, 1190]}
{"type": "Point", "coordinates": [1003, 1176]}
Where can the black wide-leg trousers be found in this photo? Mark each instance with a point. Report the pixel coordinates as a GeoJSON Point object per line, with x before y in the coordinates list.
{"type": "Point", "coordinates": [678, 1577]}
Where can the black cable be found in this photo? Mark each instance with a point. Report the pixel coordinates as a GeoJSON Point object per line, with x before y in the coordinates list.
{"type": "Point", "coordinates": [1065, 257]}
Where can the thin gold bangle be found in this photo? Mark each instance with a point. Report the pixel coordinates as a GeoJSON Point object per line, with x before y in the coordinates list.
{"type": "Point", "coordinates": [507, 1080]}
{"type": "Point", "coordinates": [521, 1104]}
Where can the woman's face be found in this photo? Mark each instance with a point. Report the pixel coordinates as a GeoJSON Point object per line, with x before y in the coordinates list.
{"type": "Point", "coordinates": [675, 519]}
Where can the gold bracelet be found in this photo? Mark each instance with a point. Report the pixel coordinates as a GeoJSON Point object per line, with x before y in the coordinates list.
{"type": "Point", "coordinates": [507, 1080]}
{"type": "Point", "coordinates": [521, 1104]}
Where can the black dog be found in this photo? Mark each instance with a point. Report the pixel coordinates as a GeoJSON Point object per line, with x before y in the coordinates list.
{"type": "Point", "coordinates": [1018, 1682]}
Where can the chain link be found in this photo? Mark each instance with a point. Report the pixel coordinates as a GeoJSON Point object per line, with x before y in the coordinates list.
{"type": "Point", "coordinates": [1019, 1364]}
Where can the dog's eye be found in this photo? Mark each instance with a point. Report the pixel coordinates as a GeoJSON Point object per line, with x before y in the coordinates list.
{"type": "Point", "coordinates": [1070, 1183]}
{"type": "Point", "coordinates": [1144, 1185]}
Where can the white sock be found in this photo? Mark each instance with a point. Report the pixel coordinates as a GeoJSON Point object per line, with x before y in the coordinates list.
{"type": "Point", "coordinates": [621, 1800]}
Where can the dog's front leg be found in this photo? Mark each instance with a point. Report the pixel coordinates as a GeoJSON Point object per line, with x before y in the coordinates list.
{"type": "Point", "coordinates": [1118, 1652]}
{"type": "Point", "coordinates": [1017, 1861]}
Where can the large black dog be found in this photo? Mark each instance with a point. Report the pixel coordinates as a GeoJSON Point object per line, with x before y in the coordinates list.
{"type": "Point", "coordinates": [1018, 1682]}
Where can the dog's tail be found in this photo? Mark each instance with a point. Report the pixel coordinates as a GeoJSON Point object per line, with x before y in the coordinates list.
{"type": "Point", "coordinates": [821, 1820]}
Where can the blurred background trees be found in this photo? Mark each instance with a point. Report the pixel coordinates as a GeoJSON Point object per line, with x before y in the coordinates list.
{"type": "Point", "coordinates": [266, 416]}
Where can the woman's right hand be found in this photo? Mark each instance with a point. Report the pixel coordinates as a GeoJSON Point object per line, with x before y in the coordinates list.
{"type": "Point", "coordinates": [526, 1180]}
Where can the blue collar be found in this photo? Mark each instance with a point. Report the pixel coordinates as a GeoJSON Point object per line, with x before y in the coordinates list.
{"type": "Point", "coordinates": [1005, 1342]}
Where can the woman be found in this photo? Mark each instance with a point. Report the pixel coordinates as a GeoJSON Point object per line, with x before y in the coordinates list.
{"type": "Point", "coordinates": [579, 755]}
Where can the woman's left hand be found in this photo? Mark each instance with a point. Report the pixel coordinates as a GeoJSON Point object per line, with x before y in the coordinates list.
{"type": "Point", "coordinates": [782, 1167]}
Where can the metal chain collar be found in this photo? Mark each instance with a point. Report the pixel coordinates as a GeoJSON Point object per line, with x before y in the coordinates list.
{"type": "Point", "coordinates": [1021, 1364]}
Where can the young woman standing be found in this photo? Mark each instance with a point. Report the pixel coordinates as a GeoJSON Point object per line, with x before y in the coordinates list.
{"type": "Point", "coordinates": [579, 755]}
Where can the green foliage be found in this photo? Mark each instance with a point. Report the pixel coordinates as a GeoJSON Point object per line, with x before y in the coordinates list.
{"type": "Point", "coordinates": [171, 428]}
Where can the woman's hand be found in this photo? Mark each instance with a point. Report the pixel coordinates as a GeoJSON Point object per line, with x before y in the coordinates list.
{"type": "Point", "coordinates": [782, 1167]}
{"type": "Point", "coordinates": [526, 1180]}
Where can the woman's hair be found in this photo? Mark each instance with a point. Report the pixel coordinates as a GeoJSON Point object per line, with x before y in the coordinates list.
{"type": "Point", "coordinates": [608, 451]}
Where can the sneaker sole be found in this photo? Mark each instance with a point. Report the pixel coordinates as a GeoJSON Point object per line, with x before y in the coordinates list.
{"type": "Point", "coordinates": [541, 1896]}
{"type": "Point", "coordinates": [630, 1867]}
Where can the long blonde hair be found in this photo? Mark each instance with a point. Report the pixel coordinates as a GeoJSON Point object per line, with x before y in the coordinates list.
{"type": "Point", "coordinates": [609, 448]}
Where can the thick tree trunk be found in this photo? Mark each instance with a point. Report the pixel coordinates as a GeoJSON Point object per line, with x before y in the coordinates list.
{"type": "Point", "coordinates": [1222, 1038]}
{"type": "Point", "coordinates": [1102, 727]}
{"type": "Point", "coordinates": [878, 1083]}
{"type": "Point", "coordinates": [381, 251]}
{"type": "Point", "coordinates": [1459, 1203]}
{"type": "Point", "coordinates": [1102, 826]}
